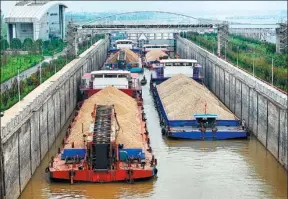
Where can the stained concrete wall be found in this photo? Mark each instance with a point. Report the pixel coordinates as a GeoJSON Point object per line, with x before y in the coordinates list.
{"type": "Point", "coordinates": [262, 107]}
{"type": "Point", "coordinates": [29, 128]}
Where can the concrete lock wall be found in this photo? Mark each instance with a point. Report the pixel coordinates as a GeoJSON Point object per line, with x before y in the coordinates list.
{"type": "Point", "coordinates": [30, 127]}
{"type": "Point", "coordinates": [262, 107]}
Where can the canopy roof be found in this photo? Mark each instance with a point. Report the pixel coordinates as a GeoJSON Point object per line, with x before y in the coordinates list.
{"type": "Point", "coordinates": [30, 11]}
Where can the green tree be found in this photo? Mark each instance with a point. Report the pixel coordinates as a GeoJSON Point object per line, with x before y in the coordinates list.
{"type": "Point", "coordinates": [38, 44]}
{"type": "Point", "coordinates": [27, 44]}
{"type": "Point", "coordinates": [16, 44]}
{"type": "Point", "coordinates": [4, 44]}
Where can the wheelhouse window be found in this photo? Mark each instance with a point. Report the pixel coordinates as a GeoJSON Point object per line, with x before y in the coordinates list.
{"type": "Point", "coordinates": [110, 76]}
{"type": "Point", "coordinates": [98, 76]}
{"type": "Point", "coordinates": [179, 64]}
{"type": "Point", "coordinates": [168, 64]}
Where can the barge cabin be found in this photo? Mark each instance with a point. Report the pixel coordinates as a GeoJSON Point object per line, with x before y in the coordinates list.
{"type": "Point", "coordinates": [167, 68]}
{"type": "Point", "coordinates": [124, 43]}
{"type": "Point", "coordinates": [148, 47]}
{"type": "Point", "coordinates": [125, 81]}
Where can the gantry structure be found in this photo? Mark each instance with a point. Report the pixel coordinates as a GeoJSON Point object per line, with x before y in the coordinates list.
{"type": "Point", "coordinates": [164, 25]}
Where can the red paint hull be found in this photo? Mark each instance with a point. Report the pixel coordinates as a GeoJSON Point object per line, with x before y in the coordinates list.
{"type": "Point", "coordinates": [108, 176]}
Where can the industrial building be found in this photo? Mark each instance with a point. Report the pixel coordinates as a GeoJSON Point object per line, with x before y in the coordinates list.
{"type": "Point", "coordinates": [36, 20]}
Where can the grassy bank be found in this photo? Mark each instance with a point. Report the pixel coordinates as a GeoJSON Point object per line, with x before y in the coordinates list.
{"type": "Point", "coordinates": [10, 97]}
{"type": "Point", "coordinates": [245, 53]}
{"type": "Point", "coordinates": [11, 64]}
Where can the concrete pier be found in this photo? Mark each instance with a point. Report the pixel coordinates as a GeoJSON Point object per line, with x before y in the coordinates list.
{"type": "Point", "coordinates": [29, 128]}
{"type": "Point", "coordinates": [263, 107]}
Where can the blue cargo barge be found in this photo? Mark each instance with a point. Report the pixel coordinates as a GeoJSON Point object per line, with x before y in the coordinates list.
{"type": "Point", "coordinates": [191, 129]}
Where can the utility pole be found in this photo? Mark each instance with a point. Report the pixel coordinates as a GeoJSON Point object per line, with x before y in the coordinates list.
{"type": "Point", "coordinates": [225, 50]}
{"type": "Point", "coordinates": [272, 71]}
{"type": "Point", "coordinates": [54, 64]}
{"type": "Point", "coordinates": [237, 56]}
{"type": "Point", "coordinates": [19, 93]}
{"type": "Point", "coordinates": [253, 63]}
{"type": "Point", "coordinates": [40, 73]}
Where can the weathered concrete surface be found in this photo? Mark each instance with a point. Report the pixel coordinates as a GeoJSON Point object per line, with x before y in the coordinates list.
{"type": "Point", "coordinates": [51, 121]}
{"type": "Point", "coordinates": [12, 178]}
{"type": "Point", "coordinates": [262, 123]}
{"type": "Point", "coordinates": [25, 154]}
{"type": "Point", "coordinates": [43, 130]}
{"type": "Point", "coordinates": [35, 137]}
{"type": "Point", "coordinates": [262, 107]}
{"type": "Point", "coordinates": [30, 127]}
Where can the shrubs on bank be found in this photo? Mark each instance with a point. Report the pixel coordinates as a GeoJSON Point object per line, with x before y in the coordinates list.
{"type": "Point", "coordinates": [248, 51]}
{"type": "Point", "coordinates": [11, 97]}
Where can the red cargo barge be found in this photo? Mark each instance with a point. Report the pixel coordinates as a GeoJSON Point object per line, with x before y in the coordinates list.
{"type": "Point", "coordinates": [101, 159]}
{"type": "Point", "coordinates": [98, 158]}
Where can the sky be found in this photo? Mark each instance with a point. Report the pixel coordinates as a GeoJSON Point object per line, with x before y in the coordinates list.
{"type": "Point", "coordinates": [227, 7]}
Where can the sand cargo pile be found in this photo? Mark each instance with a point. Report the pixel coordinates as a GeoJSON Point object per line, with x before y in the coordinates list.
{"type": "Point", "coordinates": [130, 56]}
{"type": "Point", "coordinates": [183, 97]}
{"type": "Point", "coordinates": [127, 114]}
{"type": "Point", "coordinates": [154, 55]}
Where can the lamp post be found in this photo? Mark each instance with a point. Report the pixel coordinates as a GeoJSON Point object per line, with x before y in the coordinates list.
{"type": "Point", "coordinates": [225, 50]}
{"type": "Point", "coordinates": [253, 63]}
{"type": "Point", "coordinates": [272, 71]}
{"type": "Point", "coordinates": [40, 73]}
{"type": "Point", "coordinates": [19, 94]}
{"type": "Point", "coordinates": [54, 64]}
{"type": "Point", "coordinates": [237, 56]}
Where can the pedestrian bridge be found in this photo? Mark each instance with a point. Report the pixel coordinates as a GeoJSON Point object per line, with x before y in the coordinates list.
{"type": "Point", "coordinates": [155, 20]}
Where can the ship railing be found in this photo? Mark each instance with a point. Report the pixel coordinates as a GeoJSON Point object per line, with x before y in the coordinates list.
{"type": "Point", "coordinates": [105, 85]}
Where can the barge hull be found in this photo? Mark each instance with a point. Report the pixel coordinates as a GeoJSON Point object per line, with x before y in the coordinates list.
{"type": "Point", "coordinates": [105, 176]}
{"type": "Point", "coordinates": [219, 135]}
{"type": "Point", "coordinates": [182, 129]}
